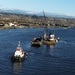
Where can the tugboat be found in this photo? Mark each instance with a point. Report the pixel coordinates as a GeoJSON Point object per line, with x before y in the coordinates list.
{"type": "Point", "coordinates": [19, 54]}
{"type": "Point", "coordinates": [50, 40]}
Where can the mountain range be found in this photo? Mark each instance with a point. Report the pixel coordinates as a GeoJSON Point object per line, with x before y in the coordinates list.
{"type": "Point", "coordinates": [47, 14]}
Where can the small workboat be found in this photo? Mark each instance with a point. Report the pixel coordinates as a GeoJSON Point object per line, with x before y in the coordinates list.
{"type": "Point", "coordinates": [36, 42]}
{"type": "Point", "coordinates": [50, 40]}
{"type": "Point", "coordinates": [19, 54]}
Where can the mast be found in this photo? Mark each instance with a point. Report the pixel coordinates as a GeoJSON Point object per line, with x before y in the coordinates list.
{"type": "Point", "coordinates": [44, 15]}
{"type": "Point", "coordinates": [45, 29]}
{"type": "Point", "coordinates": [44, 19]}
{"type": "Point", "coordinates": [54, 29]}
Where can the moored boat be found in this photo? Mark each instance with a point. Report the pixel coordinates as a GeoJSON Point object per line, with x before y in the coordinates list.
{"type": "Point", "coordinates": [36, 42]}
{"type": "Point", "coordinates": [19, 54]}
{"type": "Point", "coordinates": [50, 40]}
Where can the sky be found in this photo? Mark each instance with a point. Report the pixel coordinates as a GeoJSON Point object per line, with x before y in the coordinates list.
{"type": "Point", "coordinates": [65, 7]}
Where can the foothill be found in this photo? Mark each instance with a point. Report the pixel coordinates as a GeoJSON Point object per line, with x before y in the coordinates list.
{"type": "Point", "coordinates": [12, 20]}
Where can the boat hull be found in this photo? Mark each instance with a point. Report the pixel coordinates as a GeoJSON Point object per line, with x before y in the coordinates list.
{"type": "Point", "coordinates": [36, 43]}
{"type": "Point", "coordinates": [49, 42]}
{"type": "Point", "coordinates": [18, 58]}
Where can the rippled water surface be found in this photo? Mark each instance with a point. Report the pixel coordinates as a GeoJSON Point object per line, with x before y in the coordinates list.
{"type": "Point", "coordinates": [45, 60]}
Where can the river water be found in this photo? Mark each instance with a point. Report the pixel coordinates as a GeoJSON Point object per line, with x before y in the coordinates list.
{"type": "Point", "coordinates": [44, 60]}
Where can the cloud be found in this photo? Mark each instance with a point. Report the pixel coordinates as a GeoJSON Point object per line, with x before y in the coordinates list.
{"type": "Point", "coordinates": [70, 14]}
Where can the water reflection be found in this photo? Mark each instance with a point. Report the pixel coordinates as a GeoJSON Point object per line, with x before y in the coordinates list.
{"type": "Point", "coordinates": [48, 49]}
{"type": "Point", "coordinates": [17, 67]}
{"type": "Point", "coordinates": [51, 46]}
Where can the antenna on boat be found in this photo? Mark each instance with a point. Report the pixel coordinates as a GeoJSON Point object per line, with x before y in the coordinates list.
{"type": "Point", "coordinates": [19, 44]}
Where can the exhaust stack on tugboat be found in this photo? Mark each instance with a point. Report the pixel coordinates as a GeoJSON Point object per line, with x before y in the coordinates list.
{"type": "Point", "coordinates": [19, 54]}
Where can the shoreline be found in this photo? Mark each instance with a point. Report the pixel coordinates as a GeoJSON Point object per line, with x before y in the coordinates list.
{"type": "Point", "coordinates": [13, 27]}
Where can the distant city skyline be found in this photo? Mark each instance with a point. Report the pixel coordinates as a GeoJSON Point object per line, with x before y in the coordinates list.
{"type": "Point", "coordinates": [66, 7]}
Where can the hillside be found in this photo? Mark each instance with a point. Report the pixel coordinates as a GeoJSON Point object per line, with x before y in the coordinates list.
{"type": "Point", "coordinates": [34, 20]}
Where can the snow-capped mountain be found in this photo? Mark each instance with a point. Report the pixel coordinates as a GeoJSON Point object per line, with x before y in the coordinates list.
{"type": "Point", "coordinates": [17, 11]}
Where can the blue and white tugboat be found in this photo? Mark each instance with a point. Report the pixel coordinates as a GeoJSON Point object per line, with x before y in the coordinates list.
{"type": "Point", "coordinates": [19, 54]}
